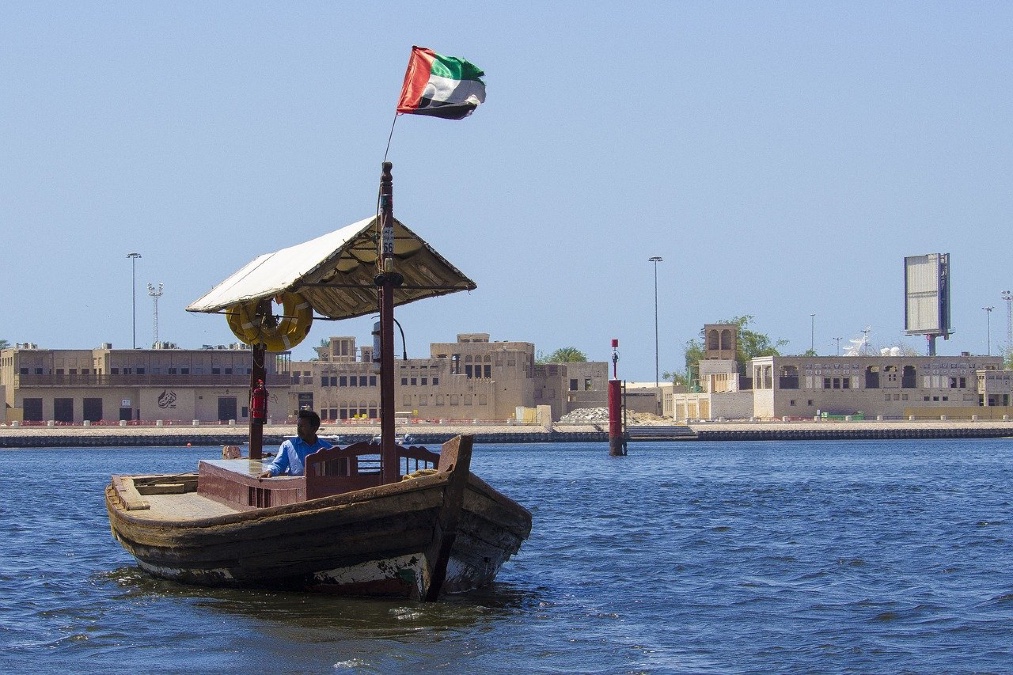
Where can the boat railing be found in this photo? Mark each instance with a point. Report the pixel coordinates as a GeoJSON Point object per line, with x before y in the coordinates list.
{"type": "Point", "coordinates": [358, 466]}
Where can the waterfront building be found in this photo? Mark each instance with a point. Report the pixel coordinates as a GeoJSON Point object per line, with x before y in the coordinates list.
{"type": "Point", "coordinates": [72, 386]}
{"type": "Point", "coordinates": [887, 386]}
{"type": "Point", "coordinates": [472, 379]}
{"type": "Point", "coordinates": [891, 387]}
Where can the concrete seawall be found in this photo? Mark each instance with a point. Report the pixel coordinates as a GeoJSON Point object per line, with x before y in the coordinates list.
{"type": "Point", "coordinates": [182, 436]}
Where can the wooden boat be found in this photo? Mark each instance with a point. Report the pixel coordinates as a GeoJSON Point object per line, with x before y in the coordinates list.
{"type": "Point", "coordinates": [336, 529]}
{"type": "Point", "coordinates": [352, 524]}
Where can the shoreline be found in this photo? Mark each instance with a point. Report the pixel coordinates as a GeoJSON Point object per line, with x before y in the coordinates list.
{"type": "Point", "coordinates": [183, 435]}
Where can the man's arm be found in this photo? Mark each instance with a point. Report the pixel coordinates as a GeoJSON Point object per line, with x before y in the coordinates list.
{"type": "Point", "coordinates": [280, 463]}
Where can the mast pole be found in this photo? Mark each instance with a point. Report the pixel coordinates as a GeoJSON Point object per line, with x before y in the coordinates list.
{"type": "Point", "coordinates": [386, 281]}
{"type": "Point", "coordinates": [258, 372]}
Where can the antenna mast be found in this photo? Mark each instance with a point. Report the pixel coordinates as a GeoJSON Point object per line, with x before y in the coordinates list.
{"type": "Point", "coordinates": [155, 293]}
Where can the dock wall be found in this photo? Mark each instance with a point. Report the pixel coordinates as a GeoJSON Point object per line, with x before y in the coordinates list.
{"type": "Point", "coordinates": [181, 436]}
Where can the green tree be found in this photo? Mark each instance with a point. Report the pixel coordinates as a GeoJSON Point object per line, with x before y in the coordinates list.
{"type": "Point", "coordinates": [563, 355]}
{"type": "Point", "coordinates": [4, 344]}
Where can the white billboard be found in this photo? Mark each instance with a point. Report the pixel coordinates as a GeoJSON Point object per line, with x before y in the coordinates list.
{"type": "Point", "coordinates": [927, 294]}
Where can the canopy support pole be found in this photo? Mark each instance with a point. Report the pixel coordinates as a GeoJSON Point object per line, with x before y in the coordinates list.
{"type": "Point", "coordinates": [257, 373]}
{"type": "Point", "coordinates": [387, 279]}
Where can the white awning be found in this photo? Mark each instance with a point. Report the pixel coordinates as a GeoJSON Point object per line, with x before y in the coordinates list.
{"type": "Point", "coordinates": [335, 273]}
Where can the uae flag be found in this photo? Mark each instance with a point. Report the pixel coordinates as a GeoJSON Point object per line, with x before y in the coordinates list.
{"type": "Point", "coordinates": [440, 86]}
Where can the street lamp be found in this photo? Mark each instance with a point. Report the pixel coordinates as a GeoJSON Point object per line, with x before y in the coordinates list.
{"type": "Point", "coordinates": [1008, 298]}
{"type": "Point", "coordinates": [656, 259]}
{"type": "Point", "coordinates": [812, 334]}
{"type": "Point", "coordinates": [988, 329]}
{"type": "Point", "coordinates": [133, 291]}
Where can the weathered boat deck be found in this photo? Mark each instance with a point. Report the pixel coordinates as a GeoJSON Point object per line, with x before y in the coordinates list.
{"type": "Point", "coordinates": [185, 506]}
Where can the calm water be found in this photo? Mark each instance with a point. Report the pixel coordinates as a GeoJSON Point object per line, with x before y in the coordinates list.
{"type": "Point", "coordinates": [877, 556]}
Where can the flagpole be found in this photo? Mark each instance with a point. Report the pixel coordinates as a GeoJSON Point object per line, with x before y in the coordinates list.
{"type": "Point", "coordinates": [390, 136]}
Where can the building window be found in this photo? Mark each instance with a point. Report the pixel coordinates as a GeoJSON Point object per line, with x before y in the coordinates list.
{"type": "Point", "coordinates": [487, 371]}
{"type": "Point", "coordinates": [436, 381]}
{"type": "Point", "coordinates": [404, 381]}
{"type": "Point", "coordinates": [343, 381]}
{"type": "Point", "coordinates": [573, 384]}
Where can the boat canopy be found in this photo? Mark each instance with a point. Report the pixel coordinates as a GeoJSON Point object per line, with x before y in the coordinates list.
{"type": "Point", "coordinates": [335, 273]}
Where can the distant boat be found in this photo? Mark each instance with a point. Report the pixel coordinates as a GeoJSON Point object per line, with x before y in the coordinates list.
{"type": "Point", "coordinates": [405, 439]}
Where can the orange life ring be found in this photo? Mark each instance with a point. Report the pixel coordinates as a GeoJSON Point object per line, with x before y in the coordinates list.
{"type": "Point", "coordinates": [291, 328]}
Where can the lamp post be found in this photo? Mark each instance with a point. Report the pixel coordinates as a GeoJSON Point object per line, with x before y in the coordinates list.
{"type": "Point", "coordinates": [656, 259]}
{"type": "Point", "coordinates": [133, 291]}
{"type": "Point", "coordinates": [988, 330]}
{"type": "Point", "coordinates": [812, 334]}
{"type": "Point", "coordinates": [838, 340]}
{"type": "Point", "coordinates": [1008, 299]}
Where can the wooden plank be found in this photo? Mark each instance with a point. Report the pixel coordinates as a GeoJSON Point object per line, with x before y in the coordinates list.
{"type": "Point", "coordinates": [455, 457]}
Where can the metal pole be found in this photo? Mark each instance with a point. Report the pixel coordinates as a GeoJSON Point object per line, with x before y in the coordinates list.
{"type": "Point", "coordinates": [1008, 297]}
{"type": "Point", "coordinates": [657, 368]}
{"type": "Point", "coordinates": [812, 334]}
{"type": "Point", "coordinates": [133, 292]}
{"type": "Point", "coordinates": [988, 329]}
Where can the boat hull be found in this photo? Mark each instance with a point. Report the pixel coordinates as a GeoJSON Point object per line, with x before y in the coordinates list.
{"type": "Point", "coordinates": [400, 539]}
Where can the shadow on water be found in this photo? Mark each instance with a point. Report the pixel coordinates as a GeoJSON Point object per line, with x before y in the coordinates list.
{"type": "Point", "coordinates": [380, 617]}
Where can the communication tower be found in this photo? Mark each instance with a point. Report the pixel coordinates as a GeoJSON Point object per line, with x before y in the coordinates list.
{"type": "Point", "coordinates": [155, 294]}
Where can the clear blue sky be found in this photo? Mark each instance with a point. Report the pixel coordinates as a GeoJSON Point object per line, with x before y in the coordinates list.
{"type": "Point", "coordinates": [782, 157]}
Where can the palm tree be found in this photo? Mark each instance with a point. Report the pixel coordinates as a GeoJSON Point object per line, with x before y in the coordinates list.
{"type": "Point", "coordinates": [565, 355]}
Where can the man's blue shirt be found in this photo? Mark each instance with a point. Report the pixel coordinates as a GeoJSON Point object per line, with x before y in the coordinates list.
{"type": "Point", "coordinates": [292, 456]}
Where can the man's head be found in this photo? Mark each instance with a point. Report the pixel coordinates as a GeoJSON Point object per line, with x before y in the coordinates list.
{"type": "Point", "coordinates": [308, 424]}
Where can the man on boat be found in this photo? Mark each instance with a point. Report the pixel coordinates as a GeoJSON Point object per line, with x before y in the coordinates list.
{"type": "Point", "coordinates": [291, 455]}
